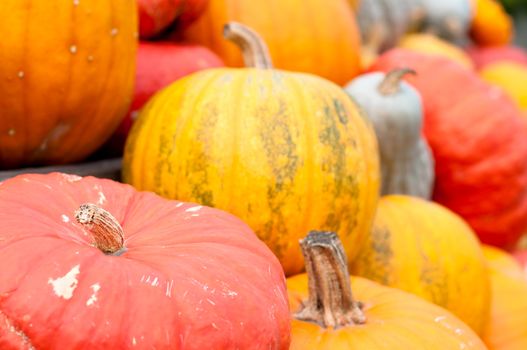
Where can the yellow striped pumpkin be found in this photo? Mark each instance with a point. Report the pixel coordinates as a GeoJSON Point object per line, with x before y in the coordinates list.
{"type": "Point", "coordinates": [67, 71]}
{"type": "Point", "coordinates": [286, 152]}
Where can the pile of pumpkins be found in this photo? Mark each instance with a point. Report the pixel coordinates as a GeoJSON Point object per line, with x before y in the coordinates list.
{"type": "Point", "coordinates": [271, 148]}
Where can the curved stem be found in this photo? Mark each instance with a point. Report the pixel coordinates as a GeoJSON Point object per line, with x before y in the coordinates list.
{"type": "Point", "coordinates": [254, 50]}
{"type": "Point", "coordinates": [105, 229]}
{"type": "Point", "coordinates": [392, 81]}
{"type": "Point", "coordinates": [330, 302]}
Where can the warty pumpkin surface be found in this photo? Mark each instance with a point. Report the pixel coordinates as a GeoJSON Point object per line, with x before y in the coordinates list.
{"type": "Point", "coordinates": [67, 72]}
{"type": "Point", "coordinates": [427, 250]}
{"type": "Point", "coordinates": [177, 276]}
{"type": "Point", "coordinates": [312, 36]}
{"type": "Point", "coordinates": [283, 151]}
{"type": "Point", "coordinates": [333, 311]}
{"type": "Point", "coordinates": [479, 140]}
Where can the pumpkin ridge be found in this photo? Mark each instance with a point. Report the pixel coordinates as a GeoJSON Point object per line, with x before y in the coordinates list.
{"type": "Point", "coordinates": [10, 326]}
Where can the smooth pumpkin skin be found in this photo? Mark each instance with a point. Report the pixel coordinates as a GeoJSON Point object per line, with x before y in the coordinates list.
{"type": "Point", "coordinates": [511, 77]}
{"type": "Point", "coordinates": [479, 140]}
{"type": "Point", "coordinates": [507, 329]}
{"type": "Point", "coordinates": [481, 56]}
{"type": "Point", "coordinates": [313, 36]}
{"type": "Point", "coordinates": [427, 250]}
{"type": "Point", "coordinates": [192, 277]}
{"type": "Point", "coordinates": [394, 320]}
{"type": "Point", "coordinates": [491, 25]}
{"type": "Point", "coordinates": [433, 45]}
{"type": "Point", "coordinates": [285, 152]}
{"type": "Point", "coordinates": [67, 72]}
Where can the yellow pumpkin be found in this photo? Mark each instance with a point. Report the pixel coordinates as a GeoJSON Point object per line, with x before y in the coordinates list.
{"type": "Point", "coordinates": [330, 313]}
{"type": "Point", "coordinates": [511, 77]}
{"type": "Point", "coordinates": [312, 36]}
{"type": "Point", "coordinates": [491, 25]}
{"type": "Point", "coordinates": [507, 328]}
{"type": "Point", "coordinates": [433, 45]}
{"type": "Point", "coordinates": [283, 151]}
{"type": "Point", "coordinates": [67, 69]}
{"type": "Point", "coordinates": [426, 249]}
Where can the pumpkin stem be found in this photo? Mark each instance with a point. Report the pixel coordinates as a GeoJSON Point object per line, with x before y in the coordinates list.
{"type": "Point", "coordinates": [392, 81]}
{"type": "Point", "coordinates": [105, 229]}
{"type": "Point", "coordinates": [254, 50]}
{"type": "Point", "coordinates": [330, 302]}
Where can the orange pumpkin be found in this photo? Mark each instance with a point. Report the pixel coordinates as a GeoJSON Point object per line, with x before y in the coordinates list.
{"type": "Point", "coordinates": [491, 25]}
{"type": "Point", "coordinates": [425, 249]}
{"type": "Point", "coordinates": [313, 36]}
{"type": "Point", "coordinates": [328, 316]}
{"type": "Point", "coordinates": [507, 329]}
{"type": "Point", "coordinates": [67, 69]}
{"type": "Point", "coordinates": [511, 77]}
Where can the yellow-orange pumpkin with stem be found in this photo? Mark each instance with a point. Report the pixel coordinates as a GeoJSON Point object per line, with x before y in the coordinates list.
{"type": "Point", "coordinates": [312, 36]}
{"type": "Point", "coordinates": [285, 152]}
{"type": "Point", "coordinates": [331, 313]}
{"type": "Point", "coordinates": [507, 328]}
{"type": "Point", "coordinates": [427, 250]}
{"type": "Point", "coordinates": [67, 69]}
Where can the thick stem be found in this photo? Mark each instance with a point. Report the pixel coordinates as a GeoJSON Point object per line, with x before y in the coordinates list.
{"type": "Point", "coordinates": [392, 81]}
{"type": "Point", "coordinates": [330, 302]}
{"type": "Point", "coordinates": [254, 50]}
{"type": "Point", "coordinates": [105, 229]}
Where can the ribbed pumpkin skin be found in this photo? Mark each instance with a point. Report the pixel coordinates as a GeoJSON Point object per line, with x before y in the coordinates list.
{"type": "Point", "coordinates": [394, 320]}
{"type": "Point", "coordinates": [511, 77]}
{"type": "Point", "coordinates": [479, 141]}
{"type": "Point", "coordinates": [67, 72]}
{"type": "Point", "coordinates": [191, 277]}
{"type": "Point", "coordinates": [285, 152]}
{"type": "Point", "coordinates": [507, 329]}
{"type": "Point", "coordinates": [313, 36]}
{"type": "Point", "coordinates": [427, 250]}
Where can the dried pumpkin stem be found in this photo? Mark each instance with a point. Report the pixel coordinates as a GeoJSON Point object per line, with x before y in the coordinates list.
{"type": "Point", "coordinates": [105, 229]}
{"type": "Point", "coordinates": [392, 81]}
{"type": "Point", "coordinates": [330, 302]}
{"type": "Point", "coordinates": [254, 50]}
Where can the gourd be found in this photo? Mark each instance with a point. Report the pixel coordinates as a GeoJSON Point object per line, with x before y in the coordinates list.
{"type": "Point", "coordinates": [329, 312]}
{"type": "Point", "coordinates": [511, 77]}
{"type": "Point", "coordinates": [94, 264]}
{"type": "Point", "coordinates": [283, 151]}
{"type": "Point", "coordinates": [491, 25]}
{"type": "Point", "coordinates": [479, 140]}
{"type": "Point", "coordinates": [427, 250]}
{"type": "Point", "coordinates": [448, 19]}
{"type": "Point", "coordinates": [67, 70]}
{"type": "Point", "coordinates": [394, 107]}
{"type": "Point", "coordinates": [481, 56]}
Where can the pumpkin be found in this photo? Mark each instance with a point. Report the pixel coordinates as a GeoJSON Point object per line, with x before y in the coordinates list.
{"type": "Point", "coordinates": [521, 257]}
{"type": "Point", "coordinates": [479, 141]}
{"type": "Point", "coordinates": [94, 264]}
{"type": "Point", "coordinates": [283, 151]}
{"type": "Point", "coordinates": [313, 36]}
{"type": "Point", "coordinates": [432, 45]}
{"type": "Point", "coordinates": [511, 77]}
{"type": "Point", "coordinates": [160, 63]}
{"type": "Point", "coordinates": [332, 313]}
{"type": "Point", "coordinates": [427, 250]}
{"type": "Point", "coordinates": [354, 4]}
{"type": "Point", "coordinates": [67, 72]}
{"type": "Point", "coordinates": [507, 329]}
{"type": "Point", "coordinates": [491, 25]}
{"type": "Point", "coordinates": [157, 15]}
{"type": "Point", "coordinates": [396, 112]}
{"type": "Point", "coordinates": [448, 19]}
{"type": "Point", "coordinates": [482, 56]}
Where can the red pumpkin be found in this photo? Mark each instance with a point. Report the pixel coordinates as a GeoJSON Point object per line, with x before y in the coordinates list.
{"type": "Point", "coordinates": [157, 15]}
{"type": "Point", "coordinates": [188, 277]}
{"type": "Point", "coordinates": [479, 141]}
{"type": "Point", "coordinates": [485, 55]}
{"type": "Point", "coordinates": [158, 65]}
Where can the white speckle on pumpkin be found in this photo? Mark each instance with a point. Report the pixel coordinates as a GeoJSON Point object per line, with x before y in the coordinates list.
{"type": "Point", "coordinates": [439, 318]}
{"type": "Point", "coordinates": [21, 74]}
{"type": "Point", "coordinates": [65, 285]}
{"type": "Point", "coordinates": [71, 177]}
{"type": "Point", "coordinates": [73, 49]}
{"type": "Point", "coordinates": [76, 2]}
{"type": "Point", "coordinates": [179, 204]}
{"type": "Point", "coordinates": [458, 331]}
{"type": "Point", "coordinates": [194, 215]}
{"type": "Point", "coordinates": [215, 326]}
{"type": "Point", "coordinates": [155, 282]}
{"type": "Point", "coordinates": [168, 292]}
{"type": "Point", "coordinates": [102, 198]}
{"type": "Point", "coordinates": [65, 218]}
{"type": "Point", "coordinates": [134, 341]}
{"type": "Point", "coordinates": [93, 298]}
{"type": "Point", "coordinates": [210, 301]}
{"type": "Point", "coordinates": [193, 209]}
{"type": "Point", "coordinates": [114, 31]}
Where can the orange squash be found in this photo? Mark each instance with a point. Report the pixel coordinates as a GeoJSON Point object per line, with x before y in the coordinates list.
{"type": "Point", "coordinates": [507, 329]}
{"type": "Point", "coordinates": [313, 36]}
{"type": "Point", "coordinates": [67, 69]}
{"type": "Point", "coordinates": [331, 314]}
{"type": "Point", "coordinates": [283, 151]}
{"type": "Point", "coordinates": [491, 25]}
{"type": "Point", "coordinates": [427, 250]}
{"type": "Point", "coordinates": [511, 77]}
